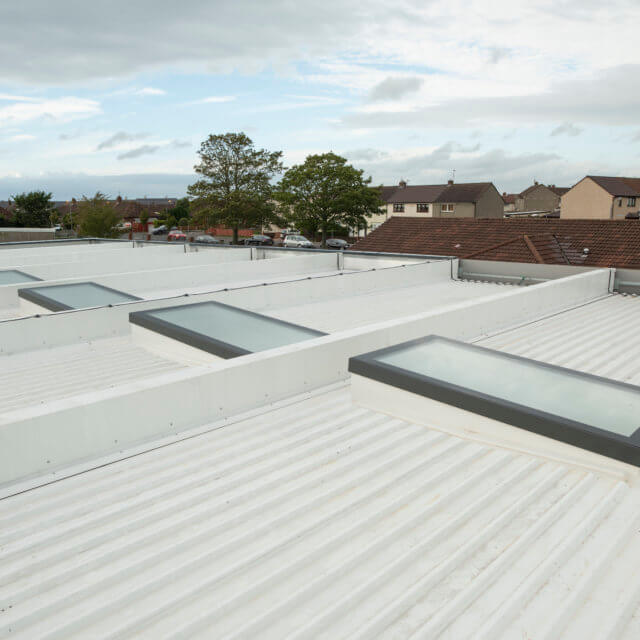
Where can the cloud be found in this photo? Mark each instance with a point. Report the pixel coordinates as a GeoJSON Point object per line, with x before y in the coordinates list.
{"type": "Point", "coordinates": [119, 138]}
{"type": "Point", "coordinates": [567, 129]}
{"type": "Point", "coordinates": [144, 150]}
{"type": "Point", "coordinates": [180, 144]}
{"type": "Point", "coordinates": [496, 54]}
{"type": "Point", "coordinates": [150, 91]}
{"type": "Point", "coordinates": [214, 100]}
{"type": "Point", "coordinates": [610, 96]}
{"type": "Point", "coordinates": [57, 109]}
{"type": "Point", "coordinates": [394, 88]}
{"type": "Point", "coordinates": [22, 137]}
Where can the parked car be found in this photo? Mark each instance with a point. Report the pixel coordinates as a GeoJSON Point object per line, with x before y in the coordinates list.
{"type": "Point", "coordinates": [337, 243]}
{"type": "Point", "coordinates": [259, 240]}
{"type": "Point", "coordinates": [160, 231]}
{"type": "Point", "coordinates": [207, 239]}
{"type": "Point", "coordinates": [298, 241]}
{"type": "Point", "coordinates": [178, 235]}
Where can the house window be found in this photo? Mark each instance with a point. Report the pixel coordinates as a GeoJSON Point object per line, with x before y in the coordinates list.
{"type": "Point", "coordinates": [422, 207]}
{"type": "Point", "coordinates": [620, 202]}
{"type": "Point", "coordinates": [447, 208]}
{"type": "Point", "coordinates": [398, 208]}
{"type": "Point", "coordinates": [631, 202]}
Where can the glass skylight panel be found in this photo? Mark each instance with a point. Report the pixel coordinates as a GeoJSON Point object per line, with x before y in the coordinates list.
{"type": "Point", "coordinates": [595, 413]}
{"type": "Point", "coordinates": [221, 329]}
{"type": "Point", "coordinates": [81, 295]}
{"type": "Point", "coordinates": [13, 276]}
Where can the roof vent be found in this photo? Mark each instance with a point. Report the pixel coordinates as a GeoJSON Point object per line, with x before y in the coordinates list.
{"type": "Point", "coordinates": [585, 251]}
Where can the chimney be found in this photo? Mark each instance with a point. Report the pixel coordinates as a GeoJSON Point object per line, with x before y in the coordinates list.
{"type": "Point", "coordinates": [449, 182]}
{"type": "Point", "coordinates": [402, 184]}
{"type": "Point", "coordinates": [536, 182]}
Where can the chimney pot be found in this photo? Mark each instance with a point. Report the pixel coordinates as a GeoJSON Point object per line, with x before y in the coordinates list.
{"type": "Point", "coordinates": [449, 182]}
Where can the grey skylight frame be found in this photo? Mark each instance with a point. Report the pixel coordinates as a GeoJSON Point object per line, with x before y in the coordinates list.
{"type": "Point", "coordinates": [199, 340]}
{"type": "Point", "coordinates": [28, 276]}
{"type": "Point", "coordinates": [51, 304]}
{"type": "Point", "coordinates": [601, 441]}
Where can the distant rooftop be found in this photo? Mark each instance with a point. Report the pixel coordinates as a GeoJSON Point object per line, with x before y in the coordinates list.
{"type": "Point", "coordinates": [451, 192]}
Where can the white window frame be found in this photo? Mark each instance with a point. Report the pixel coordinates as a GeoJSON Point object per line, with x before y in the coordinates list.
{"type": "Point", "coordinates": [448, 208]}
{"type": "Point", "coordinates": [425, 207]}
{"type": "Point", "coordinates": [398, 207]}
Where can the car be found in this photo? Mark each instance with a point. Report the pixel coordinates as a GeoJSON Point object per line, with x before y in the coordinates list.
{"type": "Point", "coordinates": [160, 231]}
{"type": "Point", "coordinates": [337, 243]}
{"type": "Point", "coordinates": [207, 239]}
{"type": "Point", "coordinates": [176, 234]}
{"type": "Point", "coordinates": [298, 241]}
{"type": "Point", "coordinates": [259, 240]}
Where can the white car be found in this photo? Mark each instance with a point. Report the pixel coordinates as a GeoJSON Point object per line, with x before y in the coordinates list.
{"type": "Point", "coordinates": [297, 241]}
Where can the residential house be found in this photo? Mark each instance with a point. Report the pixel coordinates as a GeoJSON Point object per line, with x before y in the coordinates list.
{"type": "Point", "coordinates": [540, 197]}
{"type": "Point", "coordinates": [602, 197]}
{"type": "Point", "coordinates": [509, 201]}
{"type": "Point", "coordinates": [463, 200]}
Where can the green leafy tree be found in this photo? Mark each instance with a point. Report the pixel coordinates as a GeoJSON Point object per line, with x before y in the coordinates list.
{"type": "Point", "coordinates": [181, 210]}
{"type": "Point", "coordinates": [144, 218]}
{"type": "Point", "coordinates": [327, 193]}
{"type": "Point", "coordinates": [97, 218]}
{"type": "Point", "coordinates": [236, 187]}
{"type": "Point", "coordinates": [33, 209]}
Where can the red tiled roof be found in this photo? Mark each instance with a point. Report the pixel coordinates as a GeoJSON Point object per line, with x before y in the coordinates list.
{"type": "Point", "coordinates": [618, 186]}
{"type": "Point", "coordinates": [611, 243]}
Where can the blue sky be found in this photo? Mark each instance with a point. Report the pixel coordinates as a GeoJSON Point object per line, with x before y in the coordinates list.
{"type": "Point", "coordinates": [118, 96]}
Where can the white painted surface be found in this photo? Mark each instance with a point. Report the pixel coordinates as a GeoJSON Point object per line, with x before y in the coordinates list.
{"type": "Point", "coordinates": [323, 520]}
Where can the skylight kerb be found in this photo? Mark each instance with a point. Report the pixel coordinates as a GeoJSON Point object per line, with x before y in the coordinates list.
{"type": "Point", "coordinates": [80, 295]}
{"type": "Point", "coordinates": [587, 411]}
{"type": "Point", "coordinates": [13, 276]}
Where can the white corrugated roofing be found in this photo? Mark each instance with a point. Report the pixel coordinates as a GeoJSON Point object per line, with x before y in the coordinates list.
{"type": "Point", "coordinates": [323, 520]}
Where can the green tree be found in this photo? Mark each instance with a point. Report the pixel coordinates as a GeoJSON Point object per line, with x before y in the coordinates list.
{"type": "Point", "coordinates": [325, 193]}
{"type": "Point", "coordinates": [236, 185]}
{"type": "Point", "coordinates": [33, 209]}
{"type": "Point", "coordinates": [97, 218]}
{"type": "Point", "coordinates": [181, 210]}
{"type": "Point", "coordinates": [144, 218]}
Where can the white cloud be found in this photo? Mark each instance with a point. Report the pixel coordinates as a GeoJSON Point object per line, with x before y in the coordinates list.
{"type": "Point", "coordinates": [214, 100]}
{"type": "Point", "coordinates": [567, 129]}
{"type": "Point", "coordinates": [150, 91]}
{"type": "Point", "coordinates": [22, 137]}
{"type": "Point", "coordinates": [57, 109]}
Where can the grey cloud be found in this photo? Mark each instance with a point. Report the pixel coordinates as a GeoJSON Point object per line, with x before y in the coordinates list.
{"type": "Point", "coordinates": [366, 155]}
{"type": "Point", "coordinates": [146, 34]}
{"type": "Point", "coordinates": [180, 144]}
{"type": "Point", "coordinates": [118, 138]}
{"type": "Point", "coordinates": [497, 53]}
{"type": "Point", "coordinates": [636, 137]}
{"type": "Point", "coordinates": [609, 97]}
{"type": "Point", "coordinates": [567, 129]}
{"type": "Point", "coordinates": [144, 150]}
{"type": "Point", "coordinates": [393, 88]}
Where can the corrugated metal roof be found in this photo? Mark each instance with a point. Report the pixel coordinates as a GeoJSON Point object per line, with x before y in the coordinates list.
{"type": "Point", "coordinates": [325, 520]}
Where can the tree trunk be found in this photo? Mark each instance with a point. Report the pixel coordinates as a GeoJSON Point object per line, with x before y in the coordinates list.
{"type": "Point", "coordinates": [324, 236]}
{"type": "Point", "coordinates": [235, 234]}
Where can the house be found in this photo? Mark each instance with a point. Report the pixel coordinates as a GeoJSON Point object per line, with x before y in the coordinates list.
{"type": "Point", "coordinates": [509, 201]}
{"type": "Point", "coordinates": [482, 482]}
{"type": "Point", "coordinates": [602, 197]}
{"type": "Point", "coordinates": [451, 200]}
{"type": "Point", "coordinates": [594, 243]}
{"type": "Point", "coordinates": [540, 197]}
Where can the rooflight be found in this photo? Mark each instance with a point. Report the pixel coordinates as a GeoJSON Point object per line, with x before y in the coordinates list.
{"type": "Point", "coordinates": [587, 411]}
{"type": "Point", "coordinates": [81, 295]}
{"type": "Point", "coordinates": [13, 276]}
{"type": "Point", "coordinates": [221, 329]}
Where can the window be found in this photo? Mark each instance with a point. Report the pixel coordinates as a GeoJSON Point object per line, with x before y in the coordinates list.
{"type": "Point", "coordinates": [447, 208]}
{"type": "Point", "coordinates": [422, 207]}
{"type": "Point", "coordinates": [631, 202]}
{"type": "Point", "coordinates": [620, 202]}
{"type": "Point", "coordinates": [221, 329]}
{"type": "Point", "coordinates": [13, 276]}
{"type": "Point", "coordinates": [398, 207]}
{"type": "Point", "coordinates": [81, 295]}
{"type": "Point", "coordinates": [587, 411]}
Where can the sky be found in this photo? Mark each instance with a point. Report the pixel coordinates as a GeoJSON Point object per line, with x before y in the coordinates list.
{"type": "Point", "coordinates": [117, 96]}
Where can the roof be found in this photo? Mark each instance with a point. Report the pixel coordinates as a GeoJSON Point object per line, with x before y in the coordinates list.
{"type": "Point", "coordinates": [509, 198]}
{"type": "Point", "coordinates": [559, 191]}
{"type": "Point", "coordinates": [618, 186]}
{"type": "Point", "coordinates": [611, 243]}
{"type": "Point", "coordinates": [264, 497]}
{"type": "Point", "coordinates": [462, 192]}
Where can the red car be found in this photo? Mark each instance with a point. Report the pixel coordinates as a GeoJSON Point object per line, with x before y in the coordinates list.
{"type": "Point", "coordinates": [176, 234]}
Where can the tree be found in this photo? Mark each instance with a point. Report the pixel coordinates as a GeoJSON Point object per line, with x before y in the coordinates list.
{"type": "Point", "coordinates": [236, 186]}
{"type": "Point", "coordinates": [325, 192]}
{"type": "Point", "coordinates": [181, 210]}
{"type": "Point", "coordinates": [97, 218]}
{"type": "Point", "coordinates": [33, 209]}
{"type": "Point", "coordinates": [144, 218]}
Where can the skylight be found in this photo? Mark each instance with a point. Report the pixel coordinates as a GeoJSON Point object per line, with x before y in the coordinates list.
{"type": "Point", "coordinates": [62, 297]}
{"type": "Point", "coordinates": [221, 329]}
{"type": "Point", "coordinates": [584, 410]}
{"type": "Point", "coordinates": [13, 276]}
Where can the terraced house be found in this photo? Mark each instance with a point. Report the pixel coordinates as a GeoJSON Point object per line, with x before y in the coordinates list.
{"type": "Point", "coordinates": [464, 200]}
{"type": "Point", "coordinates": [602, 197]}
